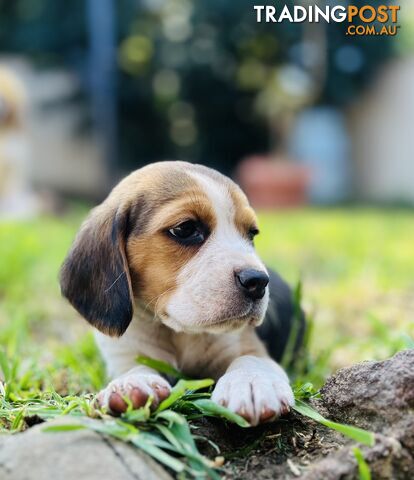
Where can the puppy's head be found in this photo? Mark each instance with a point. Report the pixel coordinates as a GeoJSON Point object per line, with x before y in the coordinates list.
{"type": "Point", "coordinates": [176, 238]}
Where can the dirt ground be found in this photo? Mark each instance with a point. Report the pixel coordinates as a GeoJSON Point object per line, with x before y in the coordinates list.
{"type": "Point", "coordinates": [279, 450]}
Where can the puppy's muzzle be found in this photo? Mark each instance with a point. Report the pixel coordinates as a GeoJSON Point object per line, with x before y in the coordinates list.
{"type": "Point", "coordinates": [252, 283]}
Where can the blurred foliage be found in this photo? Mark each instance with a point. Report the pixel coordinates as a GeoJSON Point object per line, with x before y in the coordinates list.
{"type": "Point", "coordinates": [405, 42]}
{"type": "Point", "coordinates": [200, 80]}
{"type": "Point", "coordinates": [37, 328]}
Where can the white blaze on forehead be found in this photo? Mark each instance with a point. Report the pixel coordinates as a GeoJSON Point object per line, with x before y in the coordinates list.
{"type": "Point", "coordinates": [225, 212]}
{"type": "Point", "coordinates": [218, 195]}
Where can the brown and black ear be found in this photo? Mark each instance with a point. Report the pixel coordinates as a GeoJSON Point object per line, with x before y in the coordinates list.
{"type": "Point", "coordinates": [95, 276]}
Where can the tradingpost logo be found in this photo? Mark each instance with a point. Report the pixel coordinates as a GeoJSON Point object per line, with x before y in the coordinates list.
{"type": "Point", "coordinates": [360, 20]}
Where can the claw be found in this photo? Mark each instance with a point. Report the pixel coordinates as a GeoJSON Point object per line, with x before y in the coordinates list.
{"type": "Point", "coordinates": [162, 392]}
{"type": "Point", "coordinates": [267, 414]}
{"type": "Point", "coordinates": [116, 403]}
{"type": "Point", "coordinates": [138, 397]}
{"type": "Point", "coordinates": [285, 408]}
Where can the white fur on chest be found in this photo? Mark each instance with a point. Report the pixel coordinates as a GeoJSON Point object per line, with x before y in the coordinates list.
{"type": "Point", "coordinates": [195, 354]}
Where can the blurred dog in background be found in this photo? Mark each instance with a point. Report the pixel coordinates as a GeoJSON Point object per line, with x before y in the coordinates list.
{"type": "Point", "coordinates": [16, 197]}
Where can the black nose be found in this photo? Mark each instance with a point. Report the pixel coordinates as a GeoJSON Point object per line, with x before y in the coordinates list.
{"type": "Point", "coordinates": [253, 283]}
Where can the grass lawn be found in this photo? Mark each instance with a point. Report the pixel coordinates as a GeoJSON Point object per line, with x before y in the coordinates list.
{"type": "Point", "coordinates": [356, 268]}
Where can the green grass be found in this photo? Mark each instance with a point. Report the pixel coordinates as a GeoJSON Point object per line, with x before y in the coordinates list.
{"type": "Point", "coordinates": [355, 268]}
{"type": "Point", "coordinates": [363, 468]}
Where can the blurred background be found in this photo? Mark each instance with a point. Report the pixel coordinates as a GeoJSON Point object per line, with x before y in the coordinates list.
{"type": "Point", "coordinates": [316, 126]}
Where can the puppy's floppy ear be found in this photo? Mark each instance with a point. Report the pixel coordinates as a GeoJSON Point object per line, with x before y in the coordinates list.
{"type": "Point", "coordinates": [95, 276]}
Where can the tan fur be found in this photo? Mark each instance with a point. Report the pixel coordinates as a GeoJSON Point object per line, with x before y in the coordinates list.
{"type": "Point", "coordinates": [154, 258]}
{"type": "Point", "coordinates": [245, 218]}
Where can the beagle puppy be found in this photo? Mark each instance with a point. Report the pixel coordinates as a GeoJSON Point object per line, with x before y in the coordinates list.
{"type": "Point", "coordinates": [166, 267]}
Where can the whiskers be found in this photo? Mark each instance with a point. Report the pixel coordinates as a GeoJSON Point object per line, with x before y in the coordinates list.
{"type": "Point", "coordinates": [157, 299]}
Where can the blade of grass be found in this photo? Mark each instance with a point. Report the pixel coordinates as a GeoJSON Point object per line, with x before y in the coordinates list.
{"type": "Point", "coordinates": [159, 454]}
{"type": "Point", "coordinates": [295, 328]}
{"type": "Point", "coordinates": [160, 366]}
{"type": "Point", "coordinates": [179, 390]}
{"type": "Point", "coordinates": [18, 420]}
{"type": "Point", "coordinates": [63, 428]}
{"type": "Point", "coordinates": [170, 437]}
{"type": "Point", "coordinates": [363, 468]}
{"type": "Point", "coordinates": [208, 407]}
{"type": "Point", "coordinates": [5, 366]}
{"type": "Point", "coordinates": [358, 434]}
{"type": "Point", "coordinates": [305, 390]}
{"type": "Point", "coordinates": [179, 434]}
{"type": "Point", "coordinates": [170, 416]}
{"type": "Point", "coordinates": [140, 415]}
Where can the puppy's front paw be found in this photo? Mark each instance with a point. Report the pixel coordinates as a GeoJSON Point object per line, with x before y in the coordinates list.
{"type": "Point", "coordinates": [255, 396]}
{"type": "Point", "coordinates": [137, 387]}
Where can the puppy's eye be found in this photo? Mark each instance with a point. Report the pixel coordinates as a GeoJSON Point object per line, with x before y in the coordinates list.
{"type": "Point", "coordinates": [190, 232]}
{"type": "Point", "coordinates": [252, 233]}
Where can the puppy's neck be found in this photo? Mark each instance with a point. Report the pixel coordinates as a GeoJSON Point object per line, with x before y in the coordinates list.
{"type": "Point", "coordinates": [191, 353]}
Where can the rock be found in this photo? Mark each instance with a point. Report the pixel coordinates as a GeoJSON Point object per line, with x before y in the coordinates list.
{"type": "Point", "coordinates": [73, 455]}
{"type": "Point", "coordinates": [378, 396]}
{"type": "Point", "coordinates": [372, 395]}
{"type": "Point", "coordinates": [387, 460]}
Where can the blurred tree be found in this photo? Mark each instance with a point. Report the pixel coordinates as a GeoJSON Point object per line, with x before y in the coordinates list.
{"type": "Point", "coordinates": [200, 80]}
